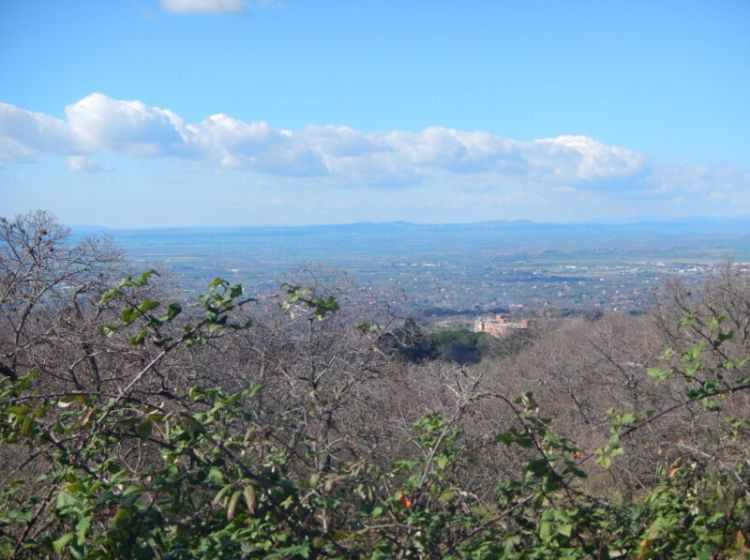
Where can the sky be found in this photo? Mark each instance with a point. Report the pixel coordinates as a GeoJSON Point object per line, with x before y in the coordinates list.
{"type": "Point", "coordinates": [142, 113]}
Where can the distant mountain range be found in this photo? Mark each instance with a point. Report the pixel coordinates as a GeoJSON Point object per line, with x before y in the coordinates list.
{"type": "Point", "coordinates": [696, 224]}
{"type": "Point", "coordinates": [721, 235]}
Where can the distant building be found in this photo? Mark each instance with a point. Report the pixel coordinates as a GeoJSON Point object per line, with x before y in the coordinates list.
{"type": "Point", "coordinates": [499, 325]}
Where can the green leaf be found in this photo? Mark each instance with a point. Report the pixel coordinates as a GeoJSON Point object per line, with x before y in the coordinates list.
{"type": "Point", "coordinates": [66, 500]}
{"type": "Point", "coordinates": [545, 531]}
{"type": "Point", "coordinates": [254, 388]}
{"type": "Point", "coordinates": [723, 336]}
{"type": "Point", "coordinates": [447, 496]}
{"type": "Point", "coordinates": [28, 423]}
{"type": "Point", "coordinates": [694, 352]}
{"type": "Point", "coordinates": [108, 296]}
{"type": "Point", "coordinates": [138, 339]}
{"type": "Point", "coordinates": [148, 305]}
{"type": "Point", "coordinates": [505, 437]}
{"type": "Point", "coordinates": [687, 321]}
{"type": "Point", "coordinates": [667, 354]}
{"type": "Point", "coordinates": [82, 528]}
{"type": "Point", "coordinates": [236, 291]}
{"type": "Point", "coordinates": [221, 493]}
{"type": "Point", "coordinates": [60, 544]}
{"type": "Point", "coordinates": [565, 529]}
{"type": "Point", "coordinates": [128, 315]}
{"type": "Point", "coordinates": [215, 475]}
{"type": "Point", "coordinates": [710, 404]}
{"type": "Point", "coordinates": [173, 310]}
{"type": "Point", "coordinates": [109, 330]}
{"type": "Point", "coordinates": [658, 374]}
{"type": "Point", "coordinates": [368, 327]}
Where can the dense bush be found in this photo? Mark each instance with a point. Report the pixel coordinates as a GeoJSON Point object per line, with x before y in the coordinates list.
{"type": "Point", "coordinates": [410, 343]}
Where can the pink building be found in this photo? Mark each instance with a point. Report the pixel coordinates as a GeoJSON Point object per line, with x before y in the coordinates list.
{"type": "Point", "coordinates": [499, 325]}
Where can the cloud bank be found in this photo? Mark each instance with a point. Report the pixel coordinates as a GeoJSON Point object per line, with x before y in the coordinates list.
{"type": "Point", "coordinates": [218, 6]}
{"type": "Point", "coordinates": [203, 6]}
{"type": "Point", "coordinates": [101, 125]}
{"type": "Point", "coordinates": [340, 156]}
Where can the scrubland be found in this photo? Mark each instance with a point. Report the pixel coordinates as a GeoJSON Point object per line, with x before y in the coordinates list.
{"type": "Point", "coordinates": [138, 425]}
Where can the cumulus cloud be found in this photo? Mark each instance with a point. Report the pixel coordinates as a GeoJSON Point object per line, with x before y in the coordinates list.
{"type": "Point", "coordinates": [580, 158]}
{"type": "Point", "coordinates": [203, 6]}
{"type": "Point", "coordinates": [98, 124]}
{"type": "Point", "coordinates": [102, 124]}
{"type": "Point", "coordinates": [25, 134]}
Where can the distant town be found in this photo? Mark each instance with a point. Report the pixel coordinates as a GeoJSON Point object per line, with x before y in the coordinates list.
{"type": "Point", "coordinates": [453, 275]}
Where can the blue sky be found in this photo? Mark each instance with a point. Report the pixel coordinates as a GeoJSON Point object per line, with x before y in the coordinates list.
{"type": "Point", "coordinates": [209, 112]}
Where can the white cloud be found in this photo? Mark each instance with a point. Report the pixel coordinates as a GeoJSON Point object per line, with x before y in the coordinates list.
{"type": "Point", "coordinates": [580, 158]}
{"type": "Point", "coordinates": [102, 124]}
{"type": "Point", "coordinates": [24, 134]}
{"type": "Point", "coordinates": [203, 6]}
{"type": "Point", "coordinates": [83, 164]}
{"type": "Point", "coordinates": [343, 156]}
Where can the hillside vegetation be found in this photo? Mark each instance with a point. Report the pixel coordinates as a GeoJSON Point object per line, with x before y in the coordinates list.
{"type": "Point", "coordinates": [137, 425]}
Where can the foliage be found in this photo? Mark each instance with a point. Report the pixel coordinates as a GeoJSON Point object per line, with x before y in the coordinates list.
{"type": "Point", "coordinates": [408, 343]}
{"type": "Point", "coordinates": [461, 345]}
{"type": "Point", "coordinates": [411, 344]}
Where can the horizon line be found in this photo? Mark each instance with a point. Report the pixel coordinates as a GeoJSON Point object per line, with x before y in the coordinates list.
{"type": "Point", "coordinates": [522, 221]}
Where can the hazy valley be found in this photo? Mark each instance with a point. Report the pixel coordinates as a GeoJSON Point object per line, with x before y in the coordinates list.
{"type": "Point", "coordinates": [439, 271]}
